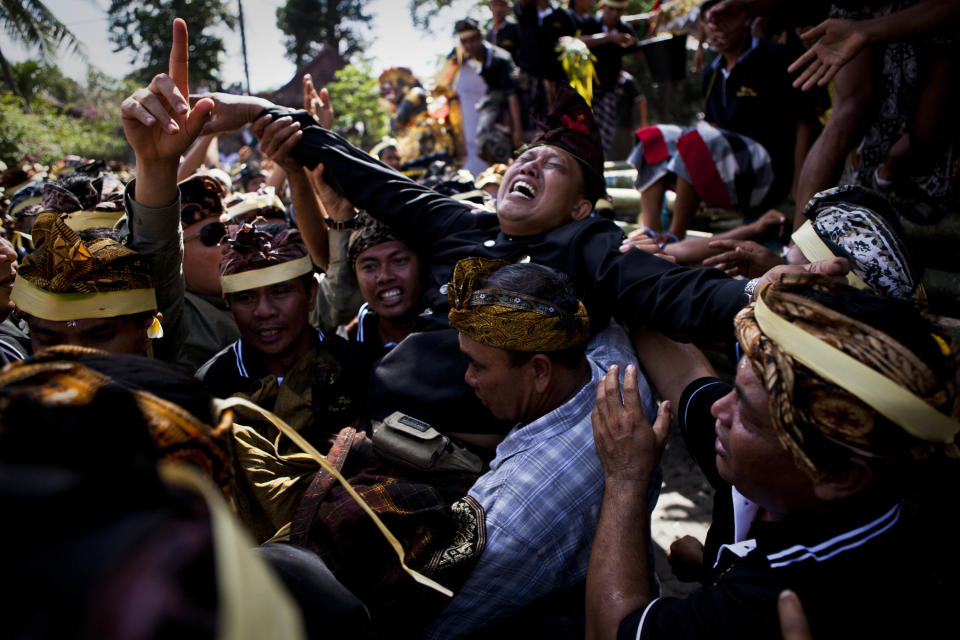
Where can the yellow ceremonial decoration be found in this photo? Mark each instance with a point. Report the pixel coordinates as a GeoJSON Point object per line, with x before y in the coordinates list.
{"type": "Point", "coordinates": [246, 280]}
{"type": "Point", "coordinates": [888, 398]}
{"type": "Point", "coordinates": [60, 307]}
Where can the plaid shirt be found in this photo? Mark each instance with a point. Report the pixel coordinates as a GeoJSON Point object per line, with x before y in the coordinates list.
{"type": "Point", "coordinates": [541, 498]}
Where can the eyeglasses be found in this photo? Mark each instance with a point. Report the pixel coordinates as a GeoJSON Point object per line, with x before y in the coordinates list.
{"type": "Point", "coordinates": [210, 234]}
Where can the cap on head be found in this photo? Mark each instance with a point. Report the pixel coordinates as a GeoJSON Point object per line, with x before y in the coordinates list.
{"type": "Point", "coordinates": [570, 126]}
{"type": "Point", "coordinates": [465, 26]}
{"type": "Point", "coordinates": [851, 370]}
{"type": "Point", "coordinates": [369, 233]}
{"type": "Point", "coordinates": [860, 225]}
{"type": "Point", "coordinates": [508, 319]}
{"type": "Point", "coordinates": [259, 205]}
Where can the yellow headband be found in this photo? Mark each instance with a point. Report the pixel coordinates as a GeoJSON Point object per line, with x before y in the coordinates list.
{"type": "Point", "coordinates": [80, 220]}
{"type": "Point", "coordinates": [891, 400]}
{"type": "Point", "coordinates": [246, 280]}
{"type": "Point", "coordinates": [814, 249]}
{"type": "Point", "coordinates": [60, 307]}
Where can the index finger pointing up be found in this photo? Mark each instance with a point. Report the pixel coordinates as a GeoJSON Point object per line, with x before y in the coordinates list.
{"type": "Point", "coordinates": [178, 68]}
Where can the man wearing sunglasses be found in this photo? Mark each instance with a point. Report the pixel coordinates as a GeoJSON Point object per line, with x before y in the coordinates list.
{"type": "Point", "coordinates": [209, 325]}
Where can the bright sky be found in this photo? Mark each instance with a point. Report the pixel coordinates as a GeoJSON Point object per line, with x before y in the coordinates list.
{"type": "Point", "coordinates": [393, 41]}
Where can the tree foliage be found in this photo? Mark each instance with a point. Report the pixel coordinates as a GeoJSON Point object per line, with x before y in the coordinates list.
{"type": "Point", "coordinates": [309, 24]}
{"type": "Point", "coordinates": [145, 29]}
{"type": "Point", "coordinates": [33, 24]}
{"type": "Point", "coordinates": [355, 96]}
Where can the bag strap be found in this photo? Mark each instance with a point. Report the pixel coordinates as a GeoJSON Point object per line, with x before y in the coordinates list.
{"type": "Point", "coordinates": [309, 449]}
{"type": "Point", "coordinates": [319, 487]}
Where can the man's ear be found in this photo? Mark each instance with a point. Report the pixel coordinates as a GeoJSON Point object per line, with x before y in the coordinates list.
{"type": "Point", "coordinates": [581, 210]}
{"type": "Point", "coordinates": [542, 367]}
{"type": "Point", "coordinates": [846, 483]}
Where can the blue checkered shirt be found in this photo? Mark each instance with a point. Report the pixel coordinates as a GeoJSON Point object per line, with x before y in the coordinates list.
{"type": "Point", "coordinates": [541, 498]}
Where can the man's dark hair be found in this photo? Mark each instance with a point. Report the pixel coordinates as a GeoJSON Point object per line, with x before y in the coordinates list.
{"type": "Point", "coordinates": [547, 284]}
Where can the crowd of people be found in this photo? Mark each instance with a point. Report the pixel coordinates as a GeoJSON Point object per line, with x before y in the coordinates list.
{"type": "Point", "coordinates": [349, 393]}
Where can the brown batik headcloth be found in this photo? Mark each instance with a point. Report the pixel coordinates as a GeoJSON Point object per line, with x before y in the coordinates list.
{"type": "Point", "coordinates": [370, 233]}
{"type": "Point", "coordinates": [252, 256]}
{"type": "Point", "coordinates": [835, 379]}
{"type": "Point", "coordinates": [509, 319]}
{"type": "Point", "coordinates": [201, 196]}
{"type": "Point", "coordinates": [63, 265]}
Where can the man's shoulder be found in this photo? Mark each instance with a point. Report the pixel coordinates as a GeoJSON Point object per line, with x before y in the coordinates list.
{"type": "Point", "coordinates": [222, 362]}
{"type": "Point", "coordinates": [500, 55]}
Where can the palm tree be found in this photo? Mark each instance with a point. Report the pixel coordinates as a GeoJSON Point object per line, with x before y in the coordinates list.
{"type": "Point", "coordinates": [33, 24]}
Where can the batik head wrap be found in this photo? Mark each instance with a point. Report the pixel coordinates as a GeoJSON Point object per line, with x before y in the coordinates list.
{"type": "Point", "coordinates": [253, 206]}
{"type": "Point", "coordinates": [25, 198]}
{"type": "Point", "coordinates": [509, 319]}
{"type": "Point", "coordinates": [57, 378]}
{"type": "Point", "coordinates": [254, 257]}
{"type": "Point", "coordinates": [860, 225]}
{"type": "Point", "coordinates": [834, 380]}
{"type": "Point", "coordinates": [369, 233]}
{"type": "Point", "coordinates": [570, 126]}
{"type": "Point", "coordinates": [201, 197]}
{"type": "Point", "coordinates": [65, 278]}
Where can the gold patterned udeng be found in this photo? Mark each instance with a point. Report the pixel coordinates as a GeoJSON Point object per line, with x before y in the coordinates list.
{"type": "Point", "coordinates": [806, 409]}
{"type": "Point", "coordinates": [508, 319]}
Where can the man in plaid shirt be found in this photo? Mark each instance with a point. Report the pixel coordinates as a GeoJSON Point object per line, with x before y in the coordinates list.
{"type": "Point", "coordinates": [525, 335]}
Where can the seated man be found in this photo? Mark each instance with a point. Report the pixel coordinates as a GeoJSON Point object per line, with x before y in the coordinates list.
{"type": "Point", "coordinates": [524, 333]}
{"type": "Point", "coordinates": [91, 292]}
{"type": "Point", "coordinates": [812, 453]}
{"type": "Point", "coordinates": [743, 155]}
{"type": "Point", "coordinates": [267, 278]}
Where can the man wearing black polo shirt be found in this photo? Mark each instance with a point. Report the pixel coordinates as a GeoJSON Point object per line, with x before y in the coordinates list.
{"type": "Point", "coordinates": [755, 134]}
{"type": "Point", "coordinates": [811, 464]}
{"type": "Point", "coordinates": [541, 26]}
{"type": "Point", "coordinates": [609, 39]}
{"type": "Point", "coordinates": [503, 31]}
{"type": "Point", "coordinates": [496, 68]}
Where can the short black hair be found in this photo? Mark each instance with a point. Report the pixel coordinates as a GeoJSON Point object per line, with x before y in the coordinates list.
{"type": "Point", "coordinates": [545, 283]}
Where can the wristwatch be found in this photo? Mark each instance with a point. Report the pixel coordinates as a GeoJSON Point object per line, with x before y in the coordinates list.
{"type": "Point", "coordinates": [337, 225]}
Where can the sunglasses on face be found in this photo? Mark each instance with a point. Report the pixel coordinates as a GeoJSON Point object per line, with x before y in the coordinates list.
{"type": "Point", "coordinates": [209, 234]}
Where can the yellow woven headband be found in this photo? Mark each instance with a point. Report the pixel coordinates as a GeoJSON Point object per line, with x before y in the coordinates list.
{"type": "Point", "coordinates": [891, 400]}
